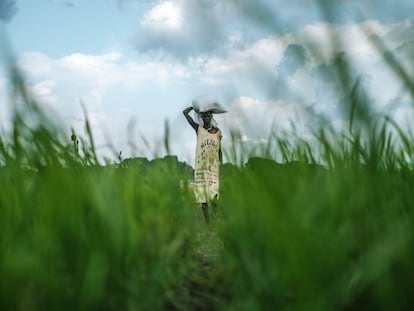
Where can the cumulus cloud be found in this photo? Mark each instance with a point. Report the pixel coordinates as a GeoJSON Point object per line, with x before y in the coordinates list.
{"type": "Point", "coordinates": [44, 90]}
{"type": "Point", "coordinates": [308, 72]}
{"type": "Point", "coordinates": [99, 82]}
{"type": "Point", "coordinates": [182, 27]}
{"type": "Point", "coordinates": [286, 68]}
{"type": "Point", "coordinates": [249, 69]}
{"type": "Point", "coordinates": [299, 69]}
{"type": "Point", "coordinates": [187, 28]}
{"type": "Point", "coordinates": [245, 112]}
{"type": "Point", "coordinates": [8, 9]}
{"type": "Point", "coordinates": [272, 79]}
{"type": "Point", "coordinates": [105, 70]}
{"type": "Point", "coordinates": [291, 67]}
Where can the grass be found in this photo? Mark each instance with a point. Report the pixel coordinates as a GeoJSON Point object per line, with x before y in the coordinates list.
{"type": "Point", "coordinates": [330, 226]}
{"type": "Point", "coordinates": [321, 240]}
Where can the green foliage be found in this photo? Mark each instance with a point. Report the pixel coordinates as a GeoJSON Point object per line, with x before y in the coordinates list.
{"type": "Point", "coordinates": [329, 227]}
{"type": "Point", "coordinates": [78, 235]}
{"type": "Point", "coordinates": [92, 238]}
{"type": "Point", "coordinates": [302, 237]}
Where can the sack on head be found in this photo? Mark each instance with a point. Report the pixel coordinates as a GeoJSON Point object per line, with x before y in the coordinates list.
{"type": "Point", "coordinates": [204, 103]}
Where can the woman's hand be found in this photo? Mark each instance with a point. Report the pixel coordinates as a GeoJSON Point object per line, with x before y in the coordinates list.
{"type": "Point", "coordinates": [190, 119]}
{"type": "Point", "coordinates": [187, 110]}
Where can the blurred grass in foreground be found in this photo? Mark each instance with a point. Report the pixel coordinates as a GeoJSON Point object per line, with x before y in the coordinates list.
{"type": "Point", "coordinates": [295, 235]}
{"type": "Point", "coordinates": [76, 235]}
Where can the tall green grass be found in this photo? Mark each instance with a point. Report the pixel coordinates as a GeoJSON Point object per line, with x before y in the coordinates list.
{"type": "Point", "coordinates": [305, 237]}
{"type": "Point", "coordinates": [75, 234]}
{"type": "Point", "coordinates": [329, 226]}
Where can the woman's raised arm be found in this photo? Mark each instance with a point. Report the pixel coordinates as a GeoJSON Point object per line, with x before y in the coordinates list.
{"type": "Point", "coordinates": [190, 120]}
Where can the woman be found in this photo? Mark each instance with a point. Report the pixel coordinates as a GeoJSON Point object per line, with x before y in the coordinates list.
{"type": "Point", "coordinates": [207, 162]}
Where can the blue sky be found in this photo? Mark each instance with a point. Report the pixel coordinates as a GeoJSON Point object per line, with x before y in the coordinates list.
{"type": "Point", "coordinates": [134, 64]}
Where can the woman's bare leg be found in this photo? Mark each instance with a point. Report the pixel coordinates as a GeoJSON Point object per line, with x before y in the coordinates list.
{"type": "Point", "coordinates": [204, 207]}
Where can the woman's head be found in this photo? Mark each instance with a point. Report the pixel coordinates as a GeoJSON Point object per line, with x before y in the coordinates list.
{"type": "Point", "coordinates": [206, 117]}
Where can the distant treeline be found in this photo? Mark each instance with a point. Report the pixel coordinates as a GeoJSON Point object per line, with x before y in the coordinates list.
{"type": "Point", "coordinates": [167, 163]}
{"type": "Point", "coordinates": [254, 165]}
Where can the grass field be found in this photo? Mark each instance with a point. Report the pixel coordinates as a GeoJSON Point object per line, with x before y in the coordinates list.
{"type": "Point", "coordinates": [296, 235]}
{"type": "Point", "coordinates": [330, 226]}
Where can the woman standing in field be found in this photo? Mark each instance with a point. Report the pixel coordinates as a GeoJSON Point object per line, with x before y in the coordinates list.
{"type": "Point", "coordinates": [207, 161]}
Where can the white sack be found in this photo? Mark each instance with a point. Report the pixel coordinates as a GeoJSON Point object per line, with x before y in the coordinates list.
{"type": "Point", "coordinates": [206, 103]}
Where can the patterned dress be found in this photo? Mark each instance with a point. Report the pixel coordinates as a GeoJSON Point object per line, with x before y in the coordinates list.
{"type": "Point", "coordinates": [207, 166]}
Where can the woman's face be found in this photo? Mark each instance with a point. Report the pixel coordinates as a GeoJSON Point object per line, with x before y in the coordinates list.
{"type": "Point", "coordinates": [206, 117]}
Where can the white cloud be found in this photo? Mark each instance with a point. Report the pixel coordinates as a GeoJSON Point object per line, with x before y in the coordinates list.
{"type": "Point", "coordinates": [245, 67]}
{"type": "Point", "coordinates": [256, 119]}
{"type": "Point", "coordinates": [103, 71]}
{"type": "Point", "coordinates": [303, 84]}
{"type": "Point", "coordinates": [36, 63]}
{"type": "Point", "coordinates": [44, 92]}
{"type": "Point", "coordinates": [183, 28]}
{"type": "Point", "coordinates": [82, 61]}
{"type": "Point", "coordinates": [164, 17]}
{"type": "Point", "coordinates": [354, 39]}
{"type": "Point", "coordinates": [205, 26]}
{"type": "Point", "coordinates": [243, 111]}
{"type": "Point", "coordinates": [44, 88]}
{"type": "Point", "coordinates": [106, 70]}
{"type": "Point", "coordinates": [111, 85]}
{"type": "Point", "coordinates": [254, 66]}
{"type": "Point", "coordinates": [404, 116]}
{"type": "Point", "coordinates": [264, 52]}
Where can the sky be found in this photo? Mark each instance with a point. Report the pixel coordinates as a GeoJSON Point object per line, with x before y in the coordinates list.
{"type": "Point", "coordinates": [136, 64]}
